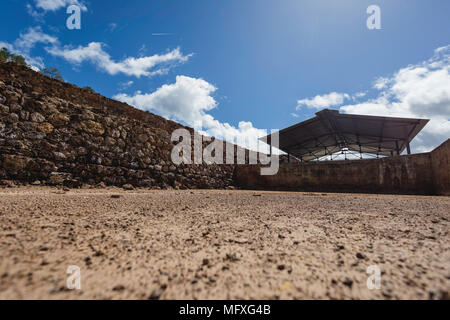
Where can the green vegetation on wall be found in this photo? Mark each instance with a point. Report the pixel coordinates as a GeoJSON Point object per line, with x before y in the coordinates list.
{"type": "Point", "coordinates": [6, 56]}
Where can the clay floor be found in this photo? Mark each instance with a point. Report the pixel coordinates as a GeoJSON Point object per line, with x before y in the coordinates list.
{"type": "Point", "coordinates": [199, 244]}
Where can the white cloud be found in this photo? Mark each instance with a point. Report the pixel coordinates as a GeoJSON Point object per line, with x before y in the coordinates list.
{"type": "Point", "coordinates": [416, 91]}
{"type": "Point", "coordinates": [142, 66]}
{"type": "Point", "coordinates": [323, 101]}
{"type": "Point", "coordinates": [54, 5]}
{"type": "Point", "coordinates": [125, 85]}
{"type": "Point", "coordinates": [157, 64]}
{"type": "Point", "coordinates": [332, 99]}
{"type": "Point", "coordinates": [27, 41]}
{"type": "Point", "coordinates": [245, 134]}
{"type": "Point", "coordinates": [188, 100]}
{"type": "Point", "coordinates": [381, 83]}
{"type": "Point", "coordinates": [112, 26]}
{"type": "Point", "coordinates": [35, 14]}
{"type": "Point", "coordinates": [359, 95]}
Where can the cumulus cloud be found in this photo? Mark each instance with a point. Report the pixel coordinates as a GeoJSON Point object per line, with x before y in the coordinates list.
{"type": "Point", "coordinates": [381, 83]}
{"type": "Point", "coordinates": [421, 90]}
{"type": "Point", "coordinates": [185, 100]}
{"type": "Point", "coordinates": [157, 64]}
{"type": "Point", "coordinates": [332, 99]}
{"type": "Point", "coordinates": [142, 66]}
{"type": "Point", "coordinates": [54, 5]}
{"type": "Point", "coordinates": [323, 101]}
{"type": "Point", "coordinates": [27, 41]}
{"type": "Point", "coordinates": [417, 91]}
{"type": "Point", "coordinates": [189, 100]}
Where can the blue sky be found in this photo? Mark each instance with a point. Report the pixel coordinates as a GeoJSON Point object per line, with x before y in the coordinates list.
{"type": "Point", "coordinates": [241, 66]}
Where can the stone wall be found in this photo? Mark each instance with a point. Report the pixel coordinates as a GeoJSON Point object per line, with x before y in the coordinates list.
{"type": "Point", "coordinates": [426, 173]}
{"type": "Point", "coordinates": [55, 133]}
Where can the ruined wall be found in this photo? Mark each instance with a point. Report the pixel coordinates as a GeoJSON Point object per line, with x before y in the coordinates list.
{"type": "Point", "coordinates": [440, 163]}
{"type": "Point", "coordinates": [426, 173]}
{"type": "Point", "coordinates": [56, 133]}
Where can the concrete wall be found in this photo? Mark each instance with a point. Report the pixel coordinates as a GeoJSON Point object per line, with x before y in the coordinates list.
{"type": "Point", "coordinates": [426, 173]}
{"type": "Point", "coordinates": [440, 158]}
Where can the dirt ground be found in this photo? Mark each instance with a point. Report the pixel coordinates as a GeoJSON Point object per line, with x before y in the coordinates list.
{"type": "Point", "coordinates": [199, 244]}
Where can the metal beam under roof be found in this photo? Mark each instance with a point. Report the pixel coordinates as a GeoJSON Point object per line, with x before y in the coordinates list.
{"type": "Point", "coordinates": [330, 132]}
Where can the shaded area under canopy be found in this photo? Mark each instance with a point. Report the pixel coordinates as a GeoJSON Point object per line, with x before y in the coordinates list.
{"type": "Point", "coordinates": [330, 132]}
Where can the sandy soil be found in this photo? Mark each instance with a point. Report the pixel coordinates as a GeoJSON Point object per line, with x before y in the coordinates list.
{"type": "Point", "coordinates": [150, 244]}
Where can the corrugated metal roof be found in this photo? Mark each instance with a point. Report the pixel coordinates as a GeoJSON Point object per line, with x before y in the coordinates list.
{"type": "Point", "coordinates": [329, 132]}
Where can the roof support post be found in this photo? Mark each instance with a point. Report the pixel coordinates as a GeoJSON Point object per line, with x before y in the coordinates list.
{"type": "Point", "coordinates": [329, 131]}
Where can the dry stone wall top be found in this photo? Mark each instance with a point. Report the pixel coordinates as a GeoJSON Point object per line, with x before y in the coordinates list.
{"type": "Point", "coordinates": [56, 133]}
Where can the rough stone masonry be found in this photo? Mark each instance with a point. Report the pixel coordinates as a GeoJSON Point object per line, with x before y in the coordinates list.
{"type": "Point", "coordinates": [55, 133]}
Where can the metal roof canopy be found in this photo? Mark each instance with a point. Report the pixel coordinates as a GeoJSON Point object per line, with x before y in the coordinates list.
{"type": "Point", "coordinates": [330, 132]}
